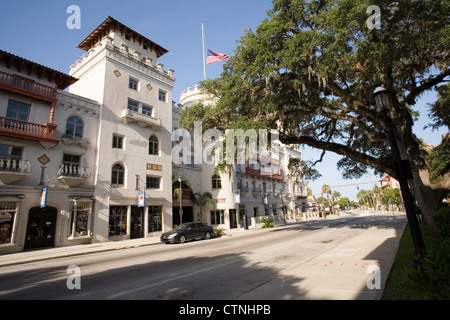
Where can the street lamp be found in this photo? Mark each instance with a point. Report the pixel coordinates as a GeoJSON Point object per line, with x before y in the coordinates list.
{"type": "Point", "coordinates": [383, 101]}
{"type": "Point", "coordinates": [181, 206]}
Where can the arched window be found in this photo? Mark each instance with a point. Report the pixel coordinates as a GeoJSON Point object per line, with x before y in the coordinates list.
{"type": "Point", "coordinates": [117, 175]}
{"type": "Point", "coordinates": [74, 127]}
{"type": "Point", "coordinates": [216, 182]}
{"type": "Point", "coordinates": [153, 147]}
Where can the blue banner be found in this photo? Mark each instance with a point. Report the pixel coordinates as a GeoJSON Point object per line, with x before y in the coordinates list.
{"type": "Point", "coordinates": [44, 193]}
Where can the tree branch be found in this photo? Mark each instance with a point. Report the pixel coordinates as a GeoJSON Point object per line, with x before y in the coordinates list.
{"type": "Point", "coordinates": [410, 99]}
{"type": "Point", "coordinates": [339, 149]}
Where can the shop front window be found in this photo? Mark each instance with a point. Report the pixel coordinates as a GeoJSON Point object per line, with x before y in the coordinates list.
{"type": "Point", "coordinates": [218, 217]}
{"type": "Point", "coordinates": [8, 212]}
{"type": "Point", "coordinates": [117, 220]}
{"type": "Point", "coordinates": [79, 221]}
{"type": "Point", "coordinates": [154, 219]}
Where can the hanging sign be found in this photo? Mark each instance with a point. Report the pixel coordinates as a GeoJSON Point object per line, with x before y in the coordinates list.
{"type": "Point", "coordinates": [43, 201]}
{"type": "Point", "coordinates": [265, 201]}
{"type": "Point", "coordinates": [237, 198]}
{"type": "Point", "coordinates": [141, 200]}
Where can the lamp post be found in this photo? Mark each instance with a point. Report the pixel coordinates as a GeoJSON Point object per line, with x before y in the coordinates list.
{"type": "Point", "coordinates": [383, 101]}
{"type": "Point", "coordinates": [181, 206]}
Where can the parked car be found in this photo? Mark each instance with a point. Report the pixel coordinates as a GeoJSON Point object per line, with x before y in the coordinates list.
{"type": "Point", "coordinates": [188, 231]}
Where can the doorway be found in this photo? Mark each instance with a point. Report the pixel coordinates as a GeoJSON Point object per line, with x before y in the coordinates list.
{"type": "Point", "coordinates": [188, 215]}
{"type": "Point", "coordinates": [233, 220]}
{"type": "Point", "coordinates": [41, 228]}
{"type": "Point", "coordinates": [137, 226]}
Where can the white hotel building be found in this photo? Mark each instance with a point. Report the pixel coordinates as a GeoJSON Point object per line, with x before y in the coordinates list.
{"type": "Point", "coordinates": [96, 139]}
{"type": "Point", "coordinates": [260, 193]}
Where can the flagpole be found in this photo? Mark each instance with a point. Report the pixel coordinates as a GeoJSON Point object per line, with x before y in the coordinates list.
{"type": "Point", "coordinates": [204, 52]}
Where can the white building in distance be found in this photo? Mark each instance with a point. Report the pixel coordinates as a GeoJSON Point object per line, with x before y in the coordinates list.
{"type": "Point", "coordinates": [246, 192]}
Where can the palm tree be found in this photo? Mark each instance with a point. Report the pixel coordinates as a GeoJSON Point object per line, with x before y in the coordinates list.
{"type": "Point", "coordinates": [205, 199]}
{"type": "Point", "coordinates": [177, 192]}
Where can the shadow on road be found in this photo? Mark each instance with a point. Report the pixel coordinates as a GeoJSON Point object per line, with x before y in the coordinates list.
{"type": "Point", "coordinates": [222, 277]}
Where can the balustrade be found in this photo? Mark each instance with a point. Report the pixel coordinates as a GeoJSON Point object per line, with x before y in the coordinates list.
{"type": "Point", "coordinates": [27, 87]}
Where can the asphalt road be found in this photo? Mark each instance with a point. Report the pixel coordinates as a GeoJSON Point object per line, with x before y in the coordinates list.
{"type": "Point", "coordinates": [223, 268]}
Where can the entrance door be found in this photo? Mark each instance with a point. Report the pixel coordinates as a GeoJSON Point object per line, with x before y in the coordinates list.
{"type": "Point", "coordinates": [41, 228]}
{"type": "Point", "coordinates": [233, 220]}
{"type": "Point", "coordinates": [137, 225]}
{"type": "Point", "coordinates": [188, 215]}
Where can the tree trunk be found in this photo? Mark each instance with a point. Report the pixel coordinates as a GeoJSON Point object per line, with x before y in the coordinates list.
{"type": "Point", "coordinates": [428, 199]}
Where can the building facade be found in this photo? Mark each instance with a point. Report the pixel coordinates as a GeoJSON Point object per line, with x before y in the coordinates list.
{"type": "Point", "coordinates": [86, 157]}
{"type": "Point", "coordinates": [47, 154]}
{"type": "Point", "coordinates": [134, 156]}
{"type": "Point", "coordinates": [246, 192]}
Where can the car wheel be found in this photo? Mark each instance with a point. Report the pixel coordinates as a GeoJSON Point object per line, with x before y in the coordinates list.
{"type": "Point", "coordinates": [207, 235]}
{"type": "Point", "coordinates": [182, 239]}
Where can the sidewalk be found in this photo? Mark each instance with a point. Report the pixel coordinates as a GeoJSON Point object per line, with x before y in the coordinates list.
{"type": "Point", "coordinates": [342, 273]}
{"type": "Point", "coordinates": [62, 252]}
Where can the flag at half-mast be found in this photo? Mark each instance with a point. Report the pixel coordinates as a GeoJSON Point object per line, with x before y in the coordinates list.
{"type": "Point", "coordinates": [213, 56]}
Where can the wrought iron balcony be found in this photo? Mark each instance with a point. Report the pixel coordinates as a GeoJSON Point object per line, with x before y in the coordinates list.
{"type": "Point", "coordinates": [13, 170]}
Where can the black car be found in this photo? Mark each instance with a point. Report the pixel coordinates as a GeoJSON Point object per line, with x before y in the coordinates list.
{"type": "Point", "coordinates": [188, 231]}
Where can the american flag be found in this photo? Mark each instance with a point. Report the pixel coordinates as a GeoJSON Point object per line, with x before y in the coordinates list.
{"type": "Point", "coordinates": [213, 56]}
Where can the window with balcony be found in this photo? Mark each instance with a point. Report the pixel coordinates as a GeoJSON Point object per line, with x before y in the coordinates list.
{"type": "Point", "coordinates": [10, 157]}
{"type": "Point", "coordinates": [117, 176]}
{"type": "Point", "coordinates": [133, 105]}
{"type": "Point", "coordinates": [17, 110]}
{"type": "Point", "coordinates": [74, 128]}
{"type": "Point", "coordinates": [71, 159]}
{"type": "Point", "coordinates": [153, 148]}
{"type": "Point", "coordinates": [142, 114]}
{"type": "Point", "coordinates": [74, 133]}
{"type": "Point", "coordinates": [12, 167]}
{"type": "Point", "coordinates": [147, 110]}
{"type": "Point", "coordinates": [71, 164]}
{"type": "Point", "coordinates": [71, 173]}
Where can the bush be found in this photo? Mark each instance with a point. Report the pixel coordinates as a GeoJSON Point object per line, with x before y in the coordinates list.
{"type": "Point", "coordinates": [219, 232]}
{"type": "Point", "coordinates": [442, 220]}
{"type": "Point", "coordinates": [267, 222]}
{"type": "Point", "coordinates": [433, 277]}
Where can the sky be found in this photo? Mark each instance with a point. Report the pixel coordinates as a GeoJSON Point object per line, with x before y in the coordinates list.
{"type": "Point", "coordinates": [37, 31]}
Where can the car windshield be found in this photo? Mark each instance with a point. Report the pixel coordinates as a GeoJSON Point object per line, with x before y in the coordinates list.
{"type": "Point", "coordinates": [182, 227]}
